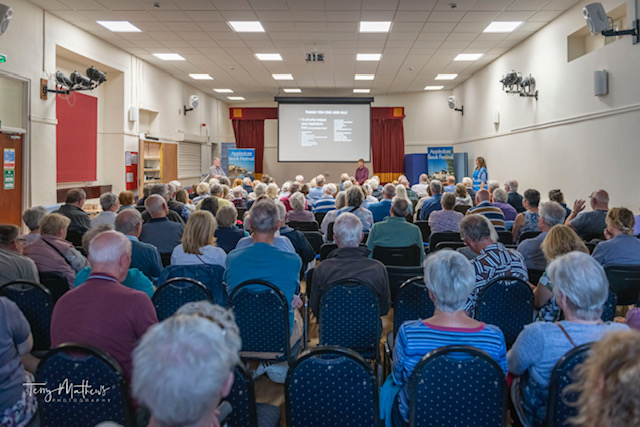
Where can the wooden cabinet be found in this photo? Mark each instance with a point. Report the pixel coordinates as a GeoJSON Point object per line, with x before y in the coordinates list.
{"type": "Point", "coordinates": [158, 162]}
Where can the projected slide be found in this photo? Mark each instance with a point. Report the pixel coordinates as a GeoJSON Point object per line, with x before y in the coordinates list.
{"type": "Point", "coordinates": [324, 132]}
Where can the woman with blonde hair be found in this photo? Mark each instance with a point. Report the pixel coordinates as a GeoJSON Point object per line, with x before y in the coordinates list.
{"type": "Point", "coordinates": [401, 193]}
{"type": "Point", "coordinates": [272, 191]}
{"type": "Point", "coordinates": [621, 246]}
{"type": "Point", "coordinates": [198, 242]}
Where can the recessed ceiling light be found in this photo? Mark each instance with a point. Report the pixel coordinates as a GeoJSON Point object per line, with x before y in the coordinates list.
{"type": "Point", "coordinates": [433, 87]}
{"type": "Point", "coordinates": [446, 76]}
{"type": "Point", "coordinates": [502, 26]}
{"type": "Point", "coordinates": [365, 76]}
{"type": "Point", "coordinates": [467, 57]}
{"type": "Point", "coordinates": [169, 56]}
{"type": "Point", "coordinates": [282, 76]}
{"type": "Point", "coordinates": [201, 76]}
{"type": "Point", "coordinates": [269, 56]}
{"type": "Point", "coordinates": [375, 26]}
{"type": "Point", "coordinates": [247, 26]}
{"type": "Point", "coordinates": [361, 90]}
{"type": "Point", "coordinates": [120, 26]}
{"type": "Point", "coordinates": [223, 90]}
{"type": "Point", "coordinates": [368, 57]}
{"type": "Point", "coordinates": [235, 98]}
{"type": "Point", "coordinates": [294, 90]}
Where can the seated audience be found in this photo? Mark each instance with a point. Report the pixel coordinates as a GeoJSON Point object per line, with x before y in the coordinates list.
{"type": "Point", "coordinates": [198, 345]}
{"type": "Point", "coordinates": [227, 234]}
{"type": "Point", "coordinates": [175, 206]}
{"type": "Point", "coordinates": [434, 203]}
{"type": "Point", "coordinates": [159, 231]}
{"type": "Point", "coordinates": [550, 215]}
{"type": "Point", "coordinates": [500, 201]}
{"type": "Point", "coordinates": [355, 198]}
{"type": "Point", "coordinates": [127, 200]}
{"type": "Point", "coordinates": [514, 199]}
{"type": "Point", "coordinates": [326, 202]}
{"type": "Point", "coordinates": [318, 191]}
{"type": "Point", "coordinates": [31, 217]}
{"type": "Point", "coordinates": [485, 208]}
{"type": "Point", "coordinates": [198, 242]}
{"type": "Point", "coordinates": [110, 205]}
{"type": "Point", "coordinates": [395, 231]}
{"type": "Point", "coordinates": [451, 184]}
{"type": "Point", "coordinates": [421, 187]}
{"type": "Point", "coordinates": [145, 193]}
{"type": "Point", "coordinates": [588, 224]}
{"type": "Point", "coordinates": [621, 246]}
{"type": "Point", "coordinates": [412, 195]}
{"type": "Point", "coordinates": [238, 200]}
{"type": "Point", "coordinates": [13, 264]}
{"type": "Point", "coordinates": [210, 204]}
{"type": "Point", "coordinates": [557, 196]}
{"type": "Point", "coordinates": [144, 256]}
{"type": "Point", "coordinates": [468, 182]}
{"type": "Point", "coordinates": [492, 185]}
{"type": "Point", "coordinates": [247, 184]}
{"type": "Point", "coordinates": [462, 196]}
{"type": "Point", "coordinates": [102, 313]}
{"type": "Point", "coordinates": [341, 201]}
{"type": "Point", "coordinates": [298, 240]}
{"type": "Point", "coordinates": [135, 278]}
{"type": "Point", "coordinates": [381, 209]}
{"type": "Point", "coordinates": [493, 259]}
{"type": "Point", "coordinates": [368, 199]}
{"type": "Point", "coordinates": [527, 221]}
{"type": "Point", "coordinates": [344, 177]}
{"type": "Point", "coordinates": [52, 252]}
{"type": "Point", "coordinates": [182, 196]}
{"type": "Point", "coordinates": [272, 191]}
{"type": "Point", "coordinates": [296, 187]}
{"type": "Point", "coordinates": [217, 192]}
{"type": "Point", "coordinates": [450, 279]}
{"type": "Point", "coordinates": [401, 193]}
{"type": "Point", "coordinates": [202, 191]}
{"type": "Point", "coordinates": [260, 189]}
{"type": "Point", "coordinates": [580, 289]}
{"type": "Point", "coordinates": [374, 182]}
{"type": "Point", "coordinates": [72, 209]}
{"type": "Point", "coordinates": [298, 213]}
{"type": "Point", "coordinates": [162, 190]}
{"type": "Point", "coordinates": [349, 261]}
{"type": "Point", "coordinates": [445, 219]}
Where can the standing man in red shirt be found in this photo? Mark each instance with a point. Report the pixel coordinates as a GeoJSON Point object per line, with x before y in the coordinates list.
{"type": "Point", "coordinates": [362, 173]}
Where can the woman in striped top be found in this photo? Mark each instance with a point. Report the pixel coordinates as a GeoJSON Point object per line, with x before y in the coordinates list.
{"type": "Point", "coordinates": [450, 279]}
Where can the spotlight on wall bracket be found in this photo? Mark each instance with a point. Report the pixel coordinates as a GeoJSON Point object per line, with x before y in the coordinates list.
{"type": "Point", "coordinates": [193, 103]}
{"type": "Point", "coordinates": [75, 82]}
{"type": "Point", "coordinates": [453, 104]}
{"type": "Point", "coordinates": [514, 83]}
{"type": "Point", "coordinates": [599, 23]}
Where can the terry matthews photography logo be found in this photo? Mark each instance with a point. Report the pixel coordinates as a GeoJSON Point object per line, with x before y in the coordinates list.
{"type": "Point", "coordinates": [69, 392]}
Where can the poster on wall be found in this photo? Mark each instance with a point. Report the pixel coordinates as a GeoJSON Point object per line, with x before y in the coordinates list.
{"type": "Point", "coordinates": [242, 163]}
{"type": "Point", "coordinates": [9, 167]}
{"type": "Point", "coordinates": [440, 162]}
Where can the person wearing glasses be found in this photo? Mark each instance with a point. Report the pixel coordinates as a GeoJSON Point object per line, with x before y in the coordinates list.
{"type": "Point", "coordinates": [13, 264]}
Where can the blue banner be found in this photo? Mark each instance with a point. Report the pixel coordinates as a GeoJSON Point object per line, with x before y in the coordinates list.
{"type": "Point", "coordinates": [440, 162]}
{"type": "Point", "coordinates": [242, 163]}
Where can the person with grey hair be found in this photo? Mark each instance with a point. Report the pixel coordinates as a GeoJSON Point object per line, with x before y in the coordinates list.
{"type": "Point", "coordinates": [215, 170]}
{"type": "Point", "coordinates": [102, 313]}
{"type": "Point", "coordinates": [395, 231]}
{"type": "Point", "coordinates": [144, 256]}
{"type": "Point", "coordinates": [258, 191]}
{"type": "Point", "coordinates": [485, 208]}
{"type": "Point", "coordinates": [355, 198]}
{"type": "Point", "coordinates": [217, 191]}
{"type": "Point", "coordinates": [550, 215]}
{"type": "Point", "coordinates": [341, 202]}
{"type": "Point", "coordinates": [593, 222]}
{"type": "Point", "coordinates": [500, 201]}
{"type": "Point", "coordinates": [327, 201]}
{"type": "Point", "coordinates": [162, 190]}
{"type": "Point", "coordinates": [165, 235]}
{"type": "Point", "coordinates": [492, 185]}
{"type": "Point", "coordinates": [238, 197]}
{"type": "Point", "coordinates": [296, 187]}
{"type": "Point", "coordinates": [434, 203]}
{"type": "Point", "coordinates": [513, 198]}
{"type": "Point", "coordinates": [380, 210]}
{"type": "Point", "coordinates": [493, 259]}
{"type": "Point", "coordinates": [350, 261]}
{"type": "Point", "coordinates": [110, 205]}
{"type": "Point", "coordinates": [449, 279]}
{"type": "Point", "coordinates": [31, 217]}
{"type": "Point", "coordinates": [297, 238]}
{"type": "Point", "coordinates": [72, 209]}
{"type": "Point", "coordinates": [227, 234]}
{"type": "Point", "coordinates": [446, 219]}
{"type": "Point", "coordinates": [316, 192]}
{"type": "Point", "coordinates": [13, 264]}
{"type": "Point", "coordinates": [421, 187]}
{"type": "Point", "coordinates": [298, 212]}
{"type": "Point", "coordinates": [581, 288]}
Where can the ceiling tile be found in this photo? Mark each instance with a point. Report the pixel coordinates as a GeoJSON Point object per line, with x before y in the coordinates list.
{"type": "Point", "coordinates": [231, 4]}
{"type": "Point", "coordinates": [175, 16]}
{"type": "Point", "coordinates": [416, 5]}
{"type": "Point", "coordinates": [545, 15]}
{"type": "Point", "coordinates": [479, 17]}
{"type": "Point", "coordinates": [205, 16]}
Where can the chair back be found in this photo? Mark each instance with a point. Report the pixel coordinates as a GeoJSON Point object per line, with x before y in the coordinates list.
{"type": "Point", "coordinates": [462, 209]}
{"type": "Point", "coordinates": [211, 276]}
{"type": "Point", "coordinates": [449, 245]}
{"type": "Point", "coordinates": [446, 236]}
{"type": "Point", "coordinates": [176, 292]}
{"type": "Point", "coordinates": [505, 237]}
{"type": "Point", "coordinates": [75, 237]}
{"type": "Point", "coordinates": [424, 229]}
{"type": "Point", "coordinates": [80, 364]}
{"type": "Point", "coordinates": [329, 236]}
{"type": "Point", "coordinates": [319, 216]}
{"type": "Point", "coordinates": [315, 240]}
{"type": "Point", "coordinates": [36, 303]}
{"type": "Point", "coordinates": [624, 281]}
{"type": "Point", "coordinates": [55, 281]}
{"type": "Point", "coordinates": [350, 317]}
{"type": "Point", "coordinates": [166, 259]}
{"type": "Point", "coordinates": [534, 275]}
{"type": "Point", "coordinates": [528, 235]}
{"type": "Point", "coordinates": [403, 256]}
{"type": "Point", "coordinates": [457, 386]}
{"type": "Point", "coordinates": [140, 208]}
{"type": "Point", "coordinates": [304, 225]}
{"type": "Point", "coordinates": [242, 398]}
{"type": "Point", "coordinates": [609, 308]}
{"type": "Point", "coordinates": [590, 246]}
{"type": "Point", "coordinates": [398, 275]}
{"type": "Point", "coordinates": [241, 212]}
{"type": "Point", "coordinates": [559, 403]}
{"type": "Point", "coordinates": [413, 303]}
{"type": "Point", "coordinates": [331, 386]}
{"type": "Point", "coordinates": [506, 302]}
{"type": "Point", "coordinates": [409, 218]}
{"type": "Point", "coordinates": [262, 314]}
{"type": "Point", "coordinates": [593, 236]}
{"type": "Point", "coordinates": [326, 249]}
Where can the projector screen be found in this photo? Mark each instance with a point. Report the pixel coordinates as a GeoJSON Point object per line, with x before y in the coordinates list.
{"type": "Point", "coordinates": [324, 132]}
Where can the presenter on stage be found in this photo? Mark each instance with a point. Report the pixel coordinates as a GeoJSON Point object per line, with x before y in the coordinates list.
{"type": "Point", "coordinates": [480, 175]}
{"type": "Point", "coordinates": [362, 173]}
{"type": "Point", "coordinates": [216, 170]}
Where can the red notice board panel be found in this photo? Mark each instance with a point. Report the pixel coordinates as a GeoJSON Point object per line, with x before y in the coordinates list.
{"type": "Point", "coordinates": [76, 137]}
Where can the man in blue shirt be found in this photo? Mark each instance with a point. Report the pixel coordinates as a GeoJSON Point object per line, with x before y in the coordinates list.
{"type": "Point", "coordinates": [381, 209]}
{"type": "Point", "coordinates": [434, 202]}
{"type": "Point", "coordinates": [144, 256]}
{"type": "Point", "coordinates": [316, 192]}
{"type": "Point", "coordinates": [327, 202]}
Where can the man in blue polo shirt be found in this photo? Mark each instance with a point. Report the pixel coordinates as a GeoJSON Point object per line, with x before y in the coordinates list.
{"type": "Point", "coordinates": [434, 203]}
{"type": "Point", "coordinates": [381, 209]}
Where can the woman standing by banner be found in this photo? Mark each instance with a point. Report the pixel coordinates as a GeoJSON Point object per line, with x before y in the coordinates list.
{"type": "Point", "coordinates": [480, 175]}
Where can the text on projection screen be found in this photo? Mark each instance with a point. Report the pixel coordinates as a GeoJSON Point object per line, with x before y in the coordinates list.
{"type": "Point", "coordinates": [324, 132]}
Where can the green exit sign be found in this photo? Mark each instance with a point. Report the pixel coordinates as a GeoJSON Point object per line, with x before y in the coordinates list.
{"type": "Point", "coordinates": [3, 58]}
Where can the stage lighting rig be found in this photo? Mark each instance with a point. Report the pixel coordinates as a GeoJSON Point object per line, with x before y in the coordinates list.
{"type": "Point", "coordinates": [75, 82]}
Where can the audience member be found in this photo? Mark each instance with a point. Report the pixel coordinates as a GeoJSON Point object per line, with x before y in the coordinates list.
{"type": "Point", "coordinates": [72, 209]}
{"type": "Point", "coordinates": [260, 189]}
{"type": "Point", "coordinates": [31, 217]}
{"type": "Point", "coordinates": [550, 215]}
{"type": "Point", "coordinates": [210, 204]}
{"type": "Point", "coordinates": [374, 182]}
{"type": "Point", "coordinates": [621, 246]}
{"type": "Point", "coordinates": [227, 234]}
{"type": "Point", "coordinates": [298, 213]}
{"type": "Point", "coordinates": [145, 193]}
{"type": "Point", "coordinates": [401, 193]}
{"type": "Point", "coordinates": [13, 264]}
{"type": "Point", "coordinates": [451, 184]}
{"type": "Point", "coordinates": [217, 191]}
{"type": "Point", "coordinates": [341, 201]}
{"type": "Point", "coordinates": [500, 201]}
{"type": "Point", "coordinates": [445, 219]}
{"type": "Point", "coordinates": [381, 209]}
{"type": "Point", "coordinates": [557, 196]}
{"type": "Point", "coordinates": [395, 231]}
{"type": "Point", "coordinates": [202, 191]}
{"type": "Point", "coordinates": [421, 187]}
{"type": "Point", "coordinates": [493, 259]}
{"type": "Point", "coordinates": [485, 208]}
{"type": "Point", "coordinates": [198, 242]}
{"type": "Point", "coordinates": [462, 196]}
{"type": "Point", "coordinates": [318, 191]}
{"type": "Point", "coordinates": [355, 198]}
{"type": "Point", "coordinates": [468, 182]}
{"type": "Point", "coordinates": [163, 191]}
{"type": "Point", "coordinates": [110, 206]}
{"type": "Point", "coordinates": [434, 203]}
{"type": "Point", "coordinates": [144, 256]}
{"type": "Point", "coordinates": [327, 201]}
{"type": "Point", "coordinates": [176, 206]}
{"type": "Point", "coordinates": [588, 224]}
{"type": "Point", "coordinates": [527, 221]}
{"type": "Point", "coordinates": [298, 240]}
{"type": "Point", "coordinates": [159, 231]}
{"type": "Point", "coordinates": [127, 200]}
{"type": "Point", "coordinates": [349, 261]}
{"type": "Point", "coordinates": [514, 199]}
{"type": "Point", "coordinates": [238, 198]}
{"type": "Point", "coordinates": [492, 186]}
{"type": "Point", "coordinates": [368, 198]}
{"type": "Point", "coordinates": [272, 191]}
{"type": "Point", "coordinates": [581, 289]}
{"type": "Point", "coordinates": [295, 188]}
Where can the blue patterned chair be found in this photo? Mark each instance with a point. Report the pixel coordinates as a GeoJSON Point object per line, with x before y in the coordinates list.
{"type": "Point", "coordinates": [36, 303]}
{"type": "Point", "coordinates": [457, 386]}
{"type": "Point", "coordinates": [211, 276]}
{"type": "Point", "coordinates": [246, 413]}
{"type": "Point", "coordinates": [174, 293]}
{"type": "Point", "coordinates": [75, 364]}
{"type": "Point", "coordinates": [404, 256]}
{"type": "Point", "coordinates": [506, 302]}
{"type": "Point", "coordinates": [331, 386]}
{"type": "Point", "coordinates": [350, 317]}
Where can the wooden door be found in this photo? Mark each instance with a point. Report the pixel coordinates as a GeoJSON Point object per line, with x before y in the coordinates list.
{"type": "Point", "coordinates": [11, 187]}
{"type": "Point", "coordinates": [169, 162]}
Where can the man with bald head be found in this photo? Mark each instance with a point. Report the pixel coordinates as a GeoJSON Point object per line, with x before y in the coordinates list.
{"type": "Point", "coordinates": [144, 256]}
{"type": "Point", "coordinates": [159, 231]}
{"type": "Point", "coordinates": [592, 222]}
{"type": "Point", "coordinates": [484, 207]}
{"type": "Point", "coordinates": [102, 312]}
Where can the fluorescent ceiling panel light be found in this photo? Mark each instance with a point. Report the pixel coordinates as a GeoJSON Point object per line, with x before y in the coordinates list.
{"type": "Point", "coordinates": [361, 90]}
{"type": "Point", "coordinates": [375, 26]}
{"type": "Point", "coordinates": [365, 76]}
{"type": "Point", "coordinates": [502, 26]}
{"type": "Point", "coordinates": [247, 26]}
{"type": "Point", "coordinates": [120, 26]}
{"type": "Point", "coordinates": [368, 57]}
{"type": "Point", "coordinates": [446, 76]}
{"type": "Point", "coordinates": [433, 87]}
{"type": "Point", "coordinates": [467, 57]}
{"type": "Point", "coordinates": [294, 90]}
{"type": "Point", "coordinates": [236, 98]}
{"type": "Point", "coordinates": [223, 90]}
{"type": "Point", "coordinates": [169, 56]}
{"type": "Point", "coordinates": [282, 76]}
{"type": "Point", "coordinates": [269, 56]}
{"type": "Point", "coordinates": [201, 76]}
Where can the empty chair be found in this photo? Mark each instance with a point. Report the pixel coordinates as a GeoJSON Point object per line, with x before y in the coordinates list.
{"type": "Point", "coordinates": [398, 275]}
{"type": "Point", "coordinates": [331, 386]}
{"type": "Point", "coordinates": [424, 229]}
{"type": "Point", "coordinates": [624, 281]}
{"type": "Point", "coordinates": [211, 276]}
{"type": "Point", "coordinates": [246, 412]}
{"type": "Point", "coordinates": [315, 240]}
{"type": "Point", "coordinates": [36, 303]}
{"type": "Point", "coordinates": [304, 225]}
{"type": "Point", "coordinates": [406, 256]}
{"type": "Point", "coordinates": [79, 364]}
{"type": "Point", "coordinates": [443, 237]}
{"type": "Point", "coordinates": [55, 281]}
{"type": "Point", "coordinates": [175, 293]}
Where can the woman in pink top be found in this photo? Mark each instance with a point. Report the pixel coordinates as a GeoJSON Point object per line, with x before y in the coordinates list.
{"type": "Point", "coordinates": [446, 219]}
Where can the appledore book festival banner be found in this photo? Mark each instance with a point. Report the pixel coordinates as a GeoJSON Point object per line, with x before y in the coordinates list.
{"type": "Point", "coordinates": [242, 163]}
{"type": "Point", "coordinates": [440, 162]}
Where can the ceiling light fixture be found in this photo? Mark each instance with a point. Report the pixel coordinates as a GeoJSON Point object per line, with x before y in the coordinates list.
{"type": "Point", "coordinates": [223, 90]}
{"type": "Point", "coordinates": [236, 98]}
{"type": "Point", "coordinates": [368, 57]}
{"type": "Point", "coordinates": [361, 90]}
{"type": "Point", "coordinates": [269, 56]}
{"type": "Point", "coordinates": [433, 87]}
{"type": "Point", "coordinates": [468, 57]}
{"type": "Point", "coordinates": [502, 26]}
{"type": "Point", "coordinates": [169, 56]}
{"type": "Point", "coordinates": [120, 26]}
{"type": "Point", "coordinates": [365, 76]}
{"type": "Point", "coordinates": [282, 76]}
{"type": "Point", "coordinates": [292, 90]}
{"type": "Point", "coordinates": [246, 26]}
{"type": "Point", "coordinates": [446, 76]}
{"type": "Point", "coordinates": [375, 26]}
{"type": "Point", "coordinates": [201, 76]}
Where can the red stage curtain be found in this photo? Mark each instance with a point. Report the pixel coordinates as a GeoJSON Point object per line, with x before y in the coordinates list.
{"type": "Point", "coordinates": [387, 142]}
{"type": "Point", "coordinates": [250, 134]}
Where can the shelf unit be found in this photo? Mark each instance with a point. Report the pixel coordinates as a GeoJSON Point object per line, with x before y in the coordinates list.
{"type": "Point", "coordinates": [159, 162]}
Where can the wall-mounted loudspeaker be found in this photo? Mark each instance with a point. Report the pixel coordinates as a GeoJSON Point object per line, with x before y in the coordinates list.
{"type": "Point", "coordinates": [6, 13]}
{"type": "Point", "coordinates": [600, 83]}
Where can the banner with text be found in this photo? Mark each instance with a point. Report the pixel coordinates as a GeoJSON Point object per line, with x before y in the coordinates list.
{"type": "Point", "coordinates": [242, 163]}
{"type": "Point", "coordinates": [440, 162]}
